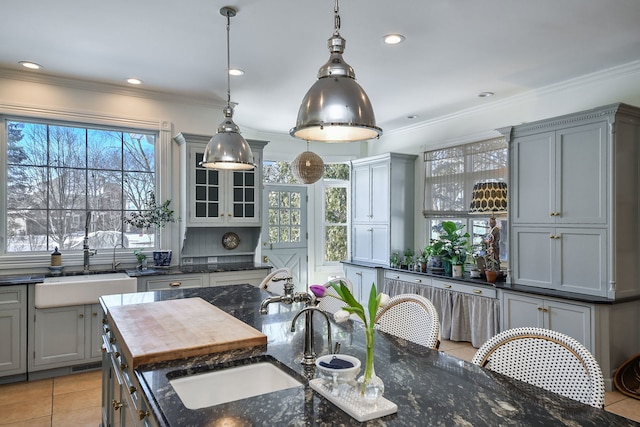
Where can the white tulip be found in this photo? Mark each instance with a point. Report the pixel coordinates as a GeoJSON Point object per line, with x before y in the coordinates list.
{"type": "Point", "coordinates": [341, 316]}
{"type": "Point", "coordinates": [384, 300]}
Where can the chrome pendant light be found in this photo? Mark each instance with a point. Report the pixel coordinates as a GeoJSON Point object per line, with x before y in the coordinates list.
{"type": "Point", "coordinates": [228, 149]}
{"type": "Point", "coordinates": [336, 108]}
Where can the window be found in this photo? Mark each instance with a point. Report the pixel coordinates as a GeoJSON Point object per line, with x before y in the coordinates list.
{"type": "Point", "coordinates": [450, 174]}
{"type": "Point", "coordinates": [335, 212]}
{"type": "Point", "coordinates": [65, 179]}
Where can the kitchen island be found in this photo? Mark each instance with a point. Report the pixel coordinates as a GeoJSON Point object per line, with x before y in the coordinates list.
{"type": "Point", "coordinates": [429, 387]}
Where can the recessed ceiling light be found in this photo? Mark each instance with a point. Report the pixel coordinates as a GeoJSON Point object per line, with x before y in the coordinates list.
{"type": "Point", "coordinates": [393, 38]}
{"type": "Point", "coordinates": [30, 65]}
{"type": "Point", "coordinates": [485, 94]}
{"type": "Point", "coordinates": [134, 81]}
{"type": "Point", "coordinates": [235, 72]}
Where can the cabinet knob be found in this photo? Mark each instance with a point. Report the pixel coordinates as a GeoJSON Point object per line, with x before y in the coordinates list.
{"type": "Point", "coordinates": [447, 286]}
{"type": "Point", "coordinates": [397, 277]}
{"type": "Point", "coordinates": [132, 389]}
{"type": "Point", "coordinates": [544, 310]}
{"type": "Point", "coordinates": [94, 314]}
{"type": "Point", "coordinates": [123, 366]}
{"type": "Point", "coordinates": [175, 284]}
{"type": "Point", "coordinates": [369, 229]}
{"type": "Point", "coordinates": [116, 405]}
{"type": "Point", "coordinates": [143, 414]}
{"type": "Point", "coordinates": [81, 315]}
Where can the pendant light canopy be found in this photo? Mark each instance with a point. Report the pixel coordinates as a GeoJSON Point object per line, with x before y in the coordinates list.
{"type": "Point", "coordinates": [336, 108]}
{"type": "Point", "coordinates": [228, 149]}
{"type": "Point", "coordinates": [308, 167]}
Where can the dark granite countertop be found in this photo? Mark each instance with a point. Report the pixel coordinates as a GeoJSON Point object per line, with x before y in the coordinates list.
{"type": "Point", "coordinates": [197, 269]}
{"type": "Point", "coordinates": [429, 387]}
{"type": "Point", "coordinates": [502, 284]}
{"type": "Point", "coordinates": [19, 279]}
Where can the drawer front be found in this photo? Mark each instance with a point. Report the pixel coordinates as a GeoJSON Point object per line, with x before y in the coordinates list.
{"type": "Point", "coordinates": [176, 282]}
{"type": "Point", "coordinates": [407, 277]}
{"type": "Point", "coordinates": [11, 295]}
{"type": "Point", "coordinates": [483, 291]}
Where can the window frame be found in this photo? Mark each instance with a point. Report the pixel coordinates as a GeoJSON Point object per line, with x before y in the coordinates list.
{"type": "Point", "coordinates": [163, 159]}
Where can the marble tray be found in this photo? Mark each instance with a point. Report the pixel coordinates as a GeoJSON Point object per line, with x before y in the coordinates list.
{"type": "Point", "coordinates": [348, 400]}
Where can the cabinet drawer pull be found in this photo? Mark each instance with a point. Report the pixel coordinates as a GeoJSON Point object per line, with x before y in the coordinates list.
{"type": "Point", "coordinates": [112, 340]}
{"type": "Point", "coordinates": [81, 315]}
{"type": "Point", "coordinates": [116, 405]}
{"type": "Point", "coordinates": [123, 366]}
{"type": "Point", "coordinates": [116, 354]}
{"type": "Point", "coordinates": [417, 280]}
{"type": "Point", "coordinates": [175, 284]}
{"type": "Point", "coordinates": [397, 277]}
{"type": "Point", "coordinates": [143, 414]}
{"type": "Point", "coordinates": [543, 309]}
{"type": "Point", "coordinates": [132, 389]}
{"type": "Point", "coordinates": [477, 291]}
{"type": "Point", "coordinates": [369, 229]}
{"type": "Point", "coordinates": [447, 286]}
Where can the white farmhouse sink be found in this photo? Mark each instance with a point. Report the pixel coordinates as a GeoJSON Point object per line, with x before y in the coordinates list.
{"type": "Point", "coordinates": [226, 385]}
{"type": "Point", "coordinates": [79, 290]}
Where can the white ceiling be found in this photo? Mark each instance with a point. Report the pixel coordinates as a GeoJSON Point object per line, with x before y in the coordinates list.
{"type": "Point", "coordinates": [453, 50]}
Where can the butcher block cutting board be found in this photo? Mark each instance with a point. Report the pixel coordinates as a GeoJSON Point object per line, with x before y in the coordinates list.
{"type": "Point", "coordinates": [174, 329]}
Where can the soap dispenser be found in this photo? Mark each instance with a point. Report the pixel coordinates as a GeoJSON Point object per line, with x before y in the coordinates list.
{"type": "Point", "coordinates": [56, 258]}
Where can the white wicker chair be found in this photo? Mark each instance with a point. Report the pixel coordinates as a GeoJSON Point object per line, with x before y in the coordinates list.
{"type": "Point", "coordinates": [330, 304]}
{"type": "Point", "coordinates": [547, 359]}
{"type": "Point", "coordinates": [271, 282]}
{"type": "Point", "coordinates": [411, 317]}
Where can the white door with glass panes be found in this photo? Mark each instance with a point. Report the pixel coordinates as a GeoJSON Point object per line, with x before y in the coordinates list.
{"type": "Point", "coordinates": [284, 230]}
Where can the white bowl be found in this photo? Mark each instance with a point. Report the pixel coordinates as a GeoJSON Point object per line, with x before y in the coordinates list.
{"type": "Point", "coordinates": [335, 374]}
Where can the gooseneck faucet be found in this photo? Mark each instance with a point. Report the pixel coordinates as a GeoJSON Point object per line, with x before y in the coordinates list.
{"type": "Point", "coordinates": [115, 264]}
{"type": "Point", "coordinates": [85, 246]}
{"type": "Point", "coordinates": [289, 297]}
{"type": "Point", "coordinates": [309, 357]}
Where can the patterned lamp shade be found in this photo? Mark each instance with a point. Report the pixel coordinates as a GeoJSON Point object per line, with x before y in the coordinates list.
{"type": "Point", "coordinates": [489, 197]}
{"type": "Point", "coordinates": [308, 167]}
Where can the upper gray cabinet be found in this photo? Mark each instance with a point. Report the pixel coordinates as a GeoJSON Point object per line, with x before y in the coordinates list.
{"type": "Point", "coordinates": [573, 202]}
{"type": "Point", "coordinates": [561, 176]}
{"type": "Point", "coordinates": [219, 198]}
{"type": "Point", "coordinates": [382, 206]}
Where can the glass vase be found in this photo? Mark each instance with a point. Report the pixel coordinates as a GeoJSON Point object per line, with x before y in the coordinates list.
{"type": "Point", "coordinates": [370, 386]}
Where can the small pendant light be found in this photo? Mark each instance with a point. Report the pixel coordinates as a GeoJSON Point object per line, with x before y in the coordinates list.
{"type": "Point", "coordinates": [308, 167]}
{"type": "Point", "coordinates": [336, 108]}
{"type": "Point", "coordinates": [228, 149]}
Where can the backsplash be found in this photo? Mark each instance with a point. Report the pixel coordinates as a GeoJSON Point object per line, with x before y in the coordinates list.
{"type": "Point", "coordinates": [203, 245]}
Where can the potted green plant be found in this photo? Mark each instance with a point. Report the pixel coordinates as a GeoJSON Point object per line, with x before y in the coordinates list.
{"type": "Point", "coordinates": [451, 245]}
{"type": "Point", "coordinates": [153, 215]}
{"type": "Point", "coordinates": [142, 259]}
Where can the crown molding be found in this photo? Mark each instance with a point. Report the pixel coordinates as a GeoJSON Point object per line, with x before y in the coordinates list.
{"type": "Point", "coordinates": [629, 68]}
{"type": "Point", "coordinates": [93, 86]}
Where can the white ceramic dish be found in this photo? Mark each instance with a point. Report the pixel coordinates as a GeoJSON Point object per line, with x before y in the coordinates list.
{"type": "Point", "coordinates": [339, 375]}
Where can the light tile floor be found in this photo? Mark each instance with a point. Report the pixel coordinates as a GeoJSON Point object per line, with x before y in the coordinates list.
{"type": "Point", "coordinates": [74, 400]}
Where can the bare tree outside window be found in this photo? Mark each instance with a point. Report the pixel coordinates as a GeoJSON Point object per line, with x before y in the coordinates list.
{"type": "Point", "coordinates": [57, 173]}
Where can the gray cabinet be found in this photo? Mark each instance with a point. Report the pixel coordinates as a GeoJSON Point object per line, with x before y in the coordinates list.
{"type": "Point", "coordinates": [573, 202]}
{"type": "Point", "coordinates": [219, 198]}
{"type": "Point", "coordinates": [561, 176]}
{"type": "Point", "coordinates": [571, 259]}
{"type": "Point", "coordinates": [362, 279]}
{"type": "Point", "coordinates": [570, 318]}
{"type": "Point", "coordinates": [252, 277]}
{"type": "Point", "coordinates": [382, 195]}
{"type": "Point", "coordinates": [173, 281]}
{"type": "Point", "coordinates": [123, 403]}
{"type": "Point", "coordinates": [64, 336]}
{"type": "Point", "coordinates": [13, 330]}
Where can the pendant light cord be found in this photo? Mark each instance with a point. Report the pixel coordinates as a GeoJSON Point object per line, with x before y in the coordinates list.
{"type": "Point", "coordinates": [336, 11]}
{"type": "Point", "coordinates": [229, 61]}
